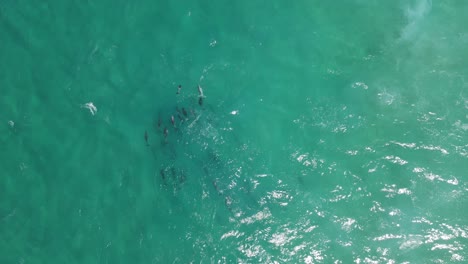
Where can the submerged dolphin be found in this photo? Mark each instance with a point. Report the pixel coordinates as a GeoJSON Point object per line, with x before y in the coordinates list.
{"type": "Point", "coordinates": [200, 95]}
{"type": "Point", "coordinates": [200, 91]}
{"type": "Point", "coordinates": [146, 138]}
{"type": "Point", "coordinates": [179, 88]}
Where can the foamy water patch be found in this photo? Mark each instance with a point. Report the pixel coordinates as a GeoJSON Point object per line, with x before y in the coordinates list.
{"type": "Point", "coordinates": [282, 198]}
{"type": "Point", "coordinates": [282, 238]}
{"type": "Point", "coordinates": [386, 98]}
{"type": "Point", "coordinates": [360, 85]}
{"type": "Point", "coordinates": [431, 176]}
{"type": "Point", "coordinates": [259, 216]}
{"type": "Point", "coordinates": [376, 207]}
{"type": "Point", "coordinates": [232, 233]}
{"type": "Point", "coordinates": [348, 224]}
{"type": "Point", "coordinates": [251, 251]}
{"type": "Point", "coordinates": [338, 194]}
{"type": "Point", "coordinates": [463, 126]}
{"type": "Point", "coordinates": [396, 160]}
{"type": "Point", "coordinates": [392, 190]}
{"type": "Point", "coordinates": [436, 148]}
{"type": "Point", "coordinates": [425, 147]}
{"type": "Point", "coordinates": [412, 242]}
{"type": "Point", "coordinates": [404, 145]}
{"type": "Point", "coordinates": [307, 161]}
{"type": "Point", "coordinates": [314, 257]}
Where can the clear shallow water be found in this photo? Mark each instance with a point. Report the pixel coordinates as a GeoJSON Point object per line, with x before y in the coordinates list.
{"type": "Point", "coordinates": [347, 142]}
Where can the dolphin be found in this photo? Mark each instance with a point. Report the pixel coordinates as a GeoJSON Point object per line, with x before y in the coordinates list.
{"type": "Point", "coordinates": [200, 95]}
{"type": "Point", "coordinates": [182, 177]}
{"type": "Point", "coordinates": [179, 88]}
{"type": "Point", "coordinates": [215, 184]}
{"type": "Point", "coordinates": [200, 91]}
{"type": "Point", "coordinates": [146, 138]}
{"type": "Point", "coordinates": [179, 114]}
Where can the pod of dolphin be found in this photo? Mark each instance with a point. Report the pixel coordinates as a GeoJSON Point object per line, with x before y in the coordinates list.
{"type": "Point", "coordinates": [181, 114]}
{"type": "Point", "coordinates": [173, 125]}
{"type": "Point", "coordinates": [187, 142]}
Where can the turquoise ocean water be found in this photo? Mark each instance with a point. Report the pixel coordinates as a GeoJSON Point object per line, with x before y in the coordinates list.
{"type": "Point", "coordinates": [330, 131]}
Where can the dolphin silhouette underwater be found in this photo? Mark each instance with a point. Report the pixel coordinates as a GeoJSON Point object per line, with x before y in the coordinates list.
{"type": "Point", "coordinates": [200, 95]}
